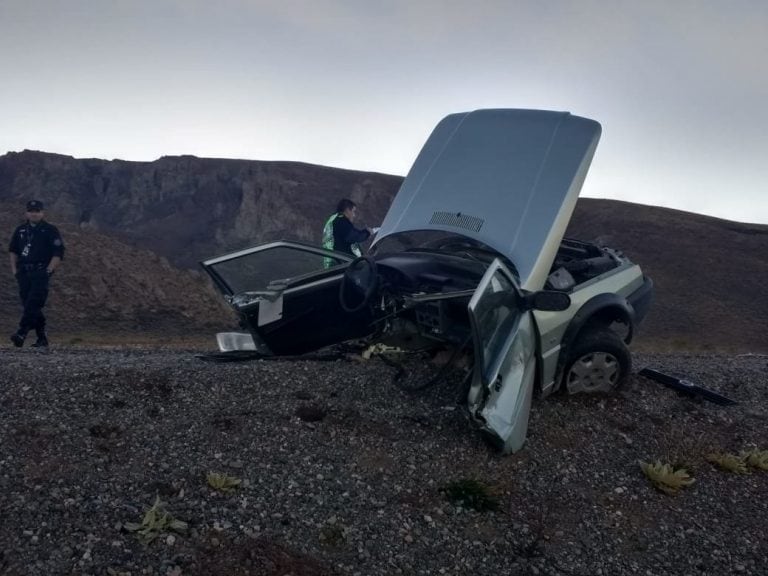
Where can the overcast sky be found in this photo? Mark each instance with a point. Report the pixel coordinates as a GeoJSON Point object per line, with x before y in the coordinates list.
{"type": "Point", "coordinates": [680, 88]}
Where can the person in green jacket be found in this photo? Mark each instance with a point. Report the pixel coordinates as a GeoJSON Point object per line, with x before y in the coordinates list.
{"type": "Point", "coordinates": [340, 233]}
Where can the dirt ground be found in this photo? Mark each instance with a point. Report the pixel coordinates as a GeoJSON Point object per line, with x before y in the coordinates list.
{"type": "Point", "coordinates": [341, 472]}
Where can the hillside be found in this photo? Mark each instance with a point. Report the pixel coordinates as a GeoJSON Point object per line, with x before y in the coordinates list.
{"type": "Point", "coordinates": [187, 208]}
{"type": "Point", "coordinates": [107, 288]}
{"type": "Point", "coordinates": [708, 272]}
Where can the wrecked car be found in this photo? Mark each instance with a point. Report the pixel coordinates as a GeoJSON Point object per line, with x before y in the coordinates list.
{"type": "Point", "coordinates": [471, 253]}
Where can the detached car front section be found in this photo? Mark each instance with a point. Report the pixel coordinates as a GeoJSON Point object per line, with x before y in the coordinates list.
{"type": "Point", "coordinates": [470, 255]}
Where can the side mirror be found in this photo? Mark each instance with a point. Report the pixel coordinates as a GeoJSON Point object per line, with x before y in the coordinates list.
{"type": "Point", "coordinates": [549, 301]}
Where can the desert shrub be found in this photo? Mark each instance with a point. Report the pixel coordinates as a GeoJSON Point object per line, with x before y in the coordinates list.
{"type": "Point", "coordinates": [729, 462]}
{"type": "Point", "coordinates": [222, 482]}
{"type": "Point", "coordinates": [756, 458]}
{"type": "Point", "coordinates": [155, 522]}
{"type": "Point", "coordinates": [470, 493]}
{"type": "Point", "coordinates": [665, 477]}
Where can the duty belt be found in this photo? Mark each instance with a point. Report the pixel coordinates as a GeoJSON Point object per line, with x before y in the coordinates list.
{"type": "Point", "coordinates": [33, 266]}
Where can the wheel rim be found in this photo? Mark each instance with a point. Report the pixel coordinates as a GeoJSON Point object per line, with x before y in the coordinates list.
{"type": "Point", "coordinates": [593, 372]}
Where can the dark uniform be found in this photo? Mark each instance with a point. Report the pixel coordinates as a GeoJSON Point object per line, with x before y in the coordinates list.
{"type": "Point", "coordinates": [34, 245]}
{"type": "Point", "coordinates": [346, 236]}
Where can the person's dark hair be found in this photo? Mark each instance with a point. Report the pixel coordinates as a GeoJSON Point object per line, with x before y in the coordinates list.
{"type": "Point", "coordinates": [344, 205]}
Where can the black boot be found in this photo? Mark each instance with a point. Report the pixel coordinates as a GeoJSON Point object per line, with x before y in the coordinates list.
{"type": "Point", "coordinates": [18, 338]}
{"type": "Point", "coordinates": [42, 340]}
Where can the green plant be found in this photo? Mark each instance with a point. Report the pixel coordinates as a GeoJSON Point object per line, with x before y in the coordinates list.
{"type": "Point", "coordinates": [665, 477]}
{"type": "Point", "coordinates": [332, 534]}
{"type": "Point", "coordinates": [470, 493]}
{"type": "Point", "coordinates": [729, 462]}
{"type": "Point", "coordinates": [156, 520]}
{"type": "Point", "coordinates": [756, 458]}
{"type": "Point", "coordinates": [222, 482]}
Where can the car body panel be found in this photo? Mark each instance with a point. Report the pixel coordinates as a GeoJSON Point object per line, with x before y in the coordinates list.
{"type": "Point", "coordinates": [505, 345]}
{"type": "Point", "coordinates": [552, 326]}
{"type": "Point", "coordinates": [287, 296]}
{"type": "Point", "coordinates": [507, 408]}
{"type": "Point", "coordinates": [506, 178]}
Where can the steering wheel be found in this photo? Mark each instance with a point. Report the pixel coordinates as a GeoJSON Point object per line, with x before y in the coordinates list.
{"type": "Point", "coordinates": [361, 278]}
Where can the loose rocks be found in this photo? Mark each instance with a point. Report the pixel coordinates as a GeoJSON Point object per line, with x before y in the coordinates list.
{"type": "Point", "coordinates": [343, 473]}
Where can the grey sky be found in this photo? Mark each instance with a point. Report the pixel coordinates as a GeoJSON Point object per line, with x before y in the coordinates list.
{"type": "Point", "coordinates": [679, 87]}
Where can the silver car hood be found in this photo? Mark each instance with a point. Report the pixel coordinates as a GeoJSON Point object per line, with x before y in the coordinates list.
{"type": "Point", "coordinates": [507, 178]}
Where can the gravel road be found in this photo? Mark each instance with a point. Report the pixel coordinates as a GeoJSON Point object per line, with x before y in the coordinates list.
{"type": "Point", "coordinates": [343, 473]}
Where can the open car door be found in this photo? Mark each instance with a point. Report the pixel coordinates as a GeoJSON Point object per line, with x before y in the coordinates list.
{"type": "Point", "coordinates": [505, 360]}
{"type": "Point", "coordinates": [287, 295]}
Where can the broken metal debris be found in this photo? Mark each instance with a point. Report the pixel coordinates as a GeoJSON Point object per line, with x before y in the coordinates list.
{"type": "Point", "coordinates": [686, 387]}
{"type": "Point", "coordinates": [378, 349]}
{"type": "Point", "coordinates": [248, 355]}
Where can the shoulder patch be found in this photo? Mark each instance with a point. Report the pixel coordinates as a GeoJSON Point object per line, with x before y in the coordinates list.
{"type": "Point", "coordinates": [57, 242]}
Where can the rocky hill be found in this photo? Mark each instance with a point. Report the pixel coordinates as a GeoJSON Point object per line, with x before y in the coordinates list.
{"type": "Point", "coordinates": [132, 227]}
{"type": "Point", "coordinates": [187, 208]}
{"type": "Point", "coordinates": [108, 291]}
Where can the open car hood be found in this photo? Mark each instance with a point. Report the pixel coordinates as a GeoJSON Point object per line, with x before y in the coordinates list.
{"type": "Point", "coordinates": [507, 178]}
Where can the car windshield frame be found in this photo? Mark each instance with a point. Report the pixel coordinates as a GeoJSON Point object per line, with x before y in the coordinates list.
{"type": "Point", "coordinates": [229, 285]}
{"type": "Point", "coordinates": [473, 249]}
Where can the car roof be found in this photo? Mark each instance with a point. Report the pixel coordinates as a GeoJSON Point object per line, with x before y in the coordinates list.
{"type": "Point", "coordinates": [508, 178]}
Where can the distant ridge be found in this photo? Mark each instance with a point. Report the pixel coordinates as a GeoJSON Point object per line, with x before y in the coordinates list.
{"type": "Point", "coordinates": [187, 208]}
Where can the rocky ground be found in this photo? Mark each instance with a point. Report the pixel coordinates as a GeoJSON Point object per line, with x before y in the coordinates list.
{"type": "Point", "coordinates": [343, 473]}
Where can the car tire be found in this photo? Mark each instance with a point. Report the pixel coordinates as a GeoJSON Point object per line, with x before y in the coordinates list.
{"type": "Point", "coordinates": [598, 363]}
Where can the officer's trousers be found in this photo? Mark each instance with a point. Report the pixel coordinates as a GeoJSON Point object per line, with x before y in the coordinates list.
{"type": "Point", "coordinates": [33, 290]}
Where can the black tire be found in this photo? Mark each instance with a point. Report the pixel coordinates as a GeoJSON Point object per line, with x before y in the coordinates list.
{"type": "Point", "coordinates": [598, 363]}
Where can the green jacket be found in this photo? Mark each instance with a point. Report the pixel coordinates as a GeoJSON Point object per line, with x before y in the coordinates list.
{"type": "Point", "coordinates": [328, 243]}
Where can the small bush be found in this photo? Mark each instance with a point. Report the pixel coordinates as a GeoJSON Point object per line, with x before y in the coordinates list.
{"type": "Point", "coordinates": [155, 521]}
{"type": "Point", "coordinates": [222, 482]}
{"type": "Point", "coordinates": [729, 462]}
{"type": "Point", "coordinates": [665, 477]}
{"type": "Point", "coordinates": [756, 458]}
{"type": "Point", "coordinates": [472, 494]}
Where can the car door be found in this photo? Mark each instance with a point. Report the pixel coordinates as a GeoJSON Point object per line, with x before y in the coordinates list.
{"type": "Point", "coordinates": [505, 361]}
{"type": "Point", "coordinates": [287, 294]}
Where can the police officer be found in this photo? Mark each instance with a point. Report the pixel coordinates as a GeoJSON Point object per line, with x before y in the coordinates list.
{"type": "Point", "coordinates": [36, 250]}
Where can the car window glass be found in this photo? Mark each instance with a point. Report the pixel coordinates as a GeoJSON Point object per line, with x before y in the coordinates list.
{"type": "Point", "coordinates": [256, 270]}
{"type": "Point", "coordinates": [497, 312]}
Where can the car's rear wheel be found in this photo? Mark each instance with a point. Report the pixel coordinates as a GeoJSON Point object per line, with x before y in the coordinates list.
{"type": "Point", "coordinates": [599, 362]}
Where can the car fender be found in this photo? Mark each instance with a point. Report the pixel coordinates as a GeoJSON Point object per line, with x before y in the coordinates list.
{"type": "Point", "coordinates": [607, 305]}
